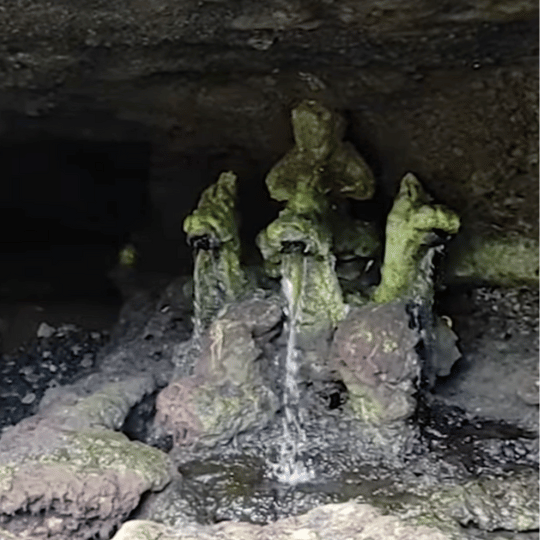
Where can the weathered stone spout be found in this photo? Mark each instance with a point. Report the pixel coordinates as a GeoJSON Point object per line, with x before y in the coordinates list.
{"type": "Point", "coordinates": [410, 230]}
{"type": "Point", "coordinates": [213, 234]}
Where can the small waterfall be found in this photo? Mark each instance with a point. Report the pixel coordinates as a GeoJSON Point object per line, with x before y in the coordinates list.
{"type": "Point", "coordinates": [289, 469]}
{"type": "Point", "coordinates": [205, 306]}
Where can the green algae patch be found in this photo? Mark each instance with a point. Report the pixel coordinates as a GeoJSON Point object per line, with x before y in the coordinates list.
{"type": "Point", "coordinates": [506, 260]}
{"type": "Point", "coordinates": [409, 228]}
{"type": "Point", "coordinates": [493, 502]}
{"type": "Point", "coordinates": [215, 213]}
{"type": "Point", "coordinates": [297, 246]}
{"type": "Point", "coordinates": [213, 232]}
{"type": "Point", "coordinates": [319, 158]}
{"type": "Point", "coordinates": [217, 411]}
{"type": "Point", "coordinates": [363, 404]}
{"type": "Point", "coordinates": [103, 450]}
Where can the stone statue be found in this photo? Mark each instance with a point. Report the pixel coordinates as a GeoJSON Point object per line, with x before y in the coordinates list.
{"type": "Point", "coordinates": [298, 243]}
{"type": "Point", "coordinates": [213, 233]}
{"type": "Point", "coordinates": [410, 233]}
{"type": "Point", "coordinates": [340, 171]}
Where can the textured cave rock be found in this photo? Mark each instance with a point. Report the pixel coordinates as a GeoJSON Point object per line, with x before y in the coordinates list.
{"type": "Point", "coordinates": [448, 91]}
{"type": "Point", "coordinates": [494, 503]}
{"type": "Point", "coordinates": [64, 472]}
{"type": "Point", "coordinates": [338, 521]}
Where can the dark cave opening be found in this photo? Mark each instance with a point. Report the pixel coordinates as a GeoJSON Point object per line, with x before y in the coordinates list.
{"type": "Point", "coordinates": [66, 207]}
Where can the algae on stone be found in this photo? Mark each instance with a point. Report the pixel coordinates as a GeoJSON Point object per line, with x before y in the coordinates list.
{"type": "Point", "coordinates": [213, 232]}
{"type": "Point", "coordinates": [102, 449]}
{"type": "Point", "coordinates": [373, 350]}
{"type": "Point", "coordinates": [410, 228]}
{"type": "Point", "coordinates": [503, 259]}
{"type": "Point", "coordinates": [502, 502]}
{"type": "Point", "coordinates": [318, 147]}
{"type": "Point", "coordinates": [65, 474]}
{"type": "Point", "coordinates": [226, 394]}
{"type": "Point", "coordinates": [299, 246]}
{"type": "Point", "coordinates": [127, 256]}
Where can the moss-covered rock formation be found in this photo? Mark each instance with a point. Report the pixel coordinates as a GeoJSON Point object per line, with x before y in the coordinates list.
{"type": "Point", "coordinates": [506, 259]}
{"type": "Point", "coordinates": [373, 352]}
{"type": "Point", "coordinates": [226, 394]}
{"type": "Point", "coordinates": [410, 229]}
{"type": "Point", "coordinates": [318, 150]}
{"type": "Point", "coordinates": [65, 473]}
{"type": "Point", "coordinates": [299, 246]}
{"type": "Point", "coordinates": [298, 243]}
{"type": "Point", "coordinates": [213, 233]}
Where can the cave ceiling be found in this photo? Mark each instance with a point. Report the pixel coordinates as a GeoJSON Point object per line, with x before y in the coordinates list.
{"type": "Point", "coordinates": [448, 90]}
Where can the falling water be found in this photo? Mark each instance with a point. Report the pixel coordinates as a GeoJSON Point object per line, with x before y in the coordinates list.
{"type": "Point", "coordinates": [187, 353]}
{"type": "Point", "coordinates": [290, 469]}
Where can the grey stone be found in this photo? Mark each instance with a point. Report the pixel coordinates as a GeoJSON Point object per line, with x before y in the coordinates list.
{"type": "Point", "coordinates": [65, 473]}
{"type": "Point", "coordinates": [336, 521]}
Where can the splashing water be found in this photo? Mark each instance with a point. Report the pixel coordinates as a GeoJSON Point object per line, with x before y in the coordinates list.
{"type": "Point", "coordinates": [290, 469]}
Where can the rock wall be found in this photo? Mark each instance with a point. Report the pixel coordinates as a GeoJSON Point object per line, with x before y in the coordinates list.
{"type": "Point", "coordinates": [448, 91]}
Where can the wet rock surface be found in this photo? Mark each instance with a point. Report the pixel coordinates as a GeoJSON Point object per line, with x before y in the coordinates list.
{"type": "Point", "coordinates": [374, 352]}
{"type": "Point", "coordinates": [226, 393]}
{"type": "Point", "coordinates": [447, 91]}
{"type": "Point", "coordinates": [497, 376]}
{"type": "Point", "coordinates": [473, 470]}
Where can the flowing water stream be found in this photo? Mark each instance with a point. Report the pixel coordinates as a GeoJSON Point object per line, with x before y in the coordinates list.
{"type": "Point", "coordinates": [290, 469]}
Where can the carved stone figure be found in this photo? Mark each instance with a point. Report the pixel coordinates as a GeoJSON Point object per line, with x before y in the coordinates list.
{"type": "Point", "coordinates": [213, 233]}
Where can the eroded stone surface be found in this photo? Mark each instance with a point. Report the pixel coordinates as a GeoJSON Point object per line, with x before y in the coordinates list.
{"type": "Point", "coordinates": [226, 393]}
{"type": "Point", "coordinates": [448, 91]}
{"type": "Point", "coordinates": [373, 351]}
{"type": "Point", "coordinates": [339, 522]}
{"type": "Point", "coordinates": [65, 473]}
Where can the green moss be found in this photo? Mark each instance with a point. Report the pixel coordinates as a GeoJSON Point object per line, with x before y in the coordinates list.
{"type": "Point", "coordinates": [319, 160]}
{"type": "Point", "coordinates": [224, 410]}
{"type": "Point", "coordinates": [291, 226]}
{"type": "Point", "coordinates": [363, 404]}
{"type": "Point", "coordinates": [216, 411]}
{"type": "Point", "coordinates": [508, 502]}
{"type": "Point", "coordinates": [315, 293]}
{"type": "Point", "coordinates": [505, 260]}
{"type": "Point", "coordinates": [109, 450]}
{"type": "Point", "coordinates": [318, 167]}
{"type": "Point", "coordinates": [218, 277]}
{"type": "Point", "coordinates": [215, 213]}
{"type": "Point", "coordinates": [409, 224]}
{"type": "Point", "coordinates": [127, 256]}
